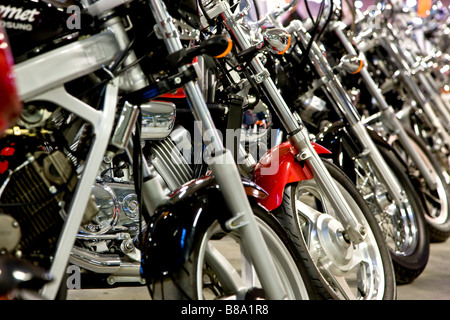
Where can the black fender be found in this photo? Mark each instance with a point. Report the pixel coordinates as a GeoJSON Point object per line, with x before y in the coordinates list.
{"type": "Point", "coordinates": [335, 135]}
{"type": "Point", "coordinates": [331, 137]}
{"type": "Point", "coordinates": [177, 225]}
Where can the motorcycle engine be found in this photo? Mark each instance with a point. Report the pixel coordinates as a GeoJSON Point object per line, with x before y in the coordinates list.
{"type": "Point", "coordinates": [36, 181]}
{"type": "Point", "coordinates": [115, 219]}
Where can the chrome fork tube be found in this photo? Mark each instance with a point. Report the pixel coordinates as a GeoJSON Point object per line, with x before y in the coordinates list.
{"type": "Point", "coordinates": [389, 116]}
{"type": "Point", "coordinates": [434, 96]}
{"type": "Point", "coordinates": [424, 77]}
{"type": "Point", "coordinates": [299, 136]}
{"type": "Point", "coordinates": [225, 171]}
{"type": "Point", "coordinates": [413, 88]}
{"type": "Point", "coordinates": [334, 90]}
{"type": "Point", "coordinates": [429, 91]}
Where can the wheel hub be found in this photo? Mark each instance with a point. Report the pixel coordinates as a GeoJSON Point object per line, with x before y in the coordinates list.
{"type": "Point", "coordinates": [336, 252]}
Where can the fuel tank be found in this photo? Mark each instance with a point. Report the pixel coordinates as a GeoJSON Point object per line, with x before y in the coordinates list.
{"type": "Point", "coordinates": [36, 26]}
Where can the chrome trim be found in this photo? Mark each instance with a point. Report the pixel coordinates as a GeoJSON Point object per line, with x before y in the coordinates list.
{"type": "Point", "coordinates": [158, 119]}
{"type": "Point", "coordinates": [103, 263]}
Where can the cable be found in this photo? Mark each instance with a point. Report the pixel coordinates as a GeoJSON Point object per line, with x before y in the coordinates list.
{"type": "Point", "coordinates": [330, 15]}
{"type": "Point", "coordinates": [313, 32]}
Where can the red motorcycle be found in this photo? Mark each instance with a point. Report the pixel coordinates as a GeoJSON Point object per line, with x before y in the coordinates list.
{"type": "Point", "coordinates": [10, 106]}
{"type": "Point", "coordinates": [10, 109]}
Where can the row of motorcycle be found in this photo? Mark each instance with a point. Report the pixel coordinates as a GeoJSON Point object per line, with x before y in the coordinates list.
{"type": "Point", "coordinates": [219, 150]}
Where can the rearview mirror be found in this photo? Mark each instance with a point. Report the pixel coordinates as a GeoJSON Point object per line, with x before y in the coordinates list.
{"type": "Point", "coordinates": [351, 63]}
{"type": "Point", "coordinates": [277, 40]}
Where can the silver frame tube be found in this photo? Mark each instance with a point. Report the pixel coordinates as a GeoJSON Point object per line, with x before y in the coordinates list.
{"type": "Point", "coordinates": [102, 128]}
{"type": "Point", "coordinates": [225, 169]}
{"type": "Point", "coordinates": [73, 61]}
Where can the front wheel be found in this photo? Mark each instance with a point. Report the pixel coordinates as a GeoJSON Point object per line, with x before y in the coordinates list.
{"type": "Point", "coordinates": [340, 269]}
{"type": "Point", "coordinates": [436, 199]}
{"type": "Point", "coordinates": [219, 267]}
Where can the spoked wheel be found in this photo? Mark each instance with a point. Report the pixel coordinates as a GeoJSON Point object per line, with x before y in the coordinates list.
{"type": "Point", "coordinates": [403, 225]}
{"type": "Point", "coordinates": [340, 269]}
{"type": "Point", "coordinates": [436, 198]}
{"type": "Point", "coordinates": [219, 268]}
{"type": "Point", "coordinates": [434, 141]}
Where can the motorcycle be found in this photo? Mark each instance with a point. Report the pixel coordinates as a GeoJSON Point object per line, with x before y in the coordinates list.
{"type": "Point", "coordinates": [400, 119]}
{"type": "Point", "coordinates": [353, 149]}
{"type": "Point", "coordinates": [425, 115]}
{"type": "Point", "coordinates": [301, 171]}
{"type": "Point", "coordinates": [87, 118]}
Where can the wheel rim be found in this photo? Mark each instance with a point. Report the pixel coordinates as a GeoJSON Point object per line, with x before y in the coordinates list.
{"type": "Point", "coordinates": [396, 221]}
{"type": "Point", "coordinates": [226, 263]}
{"type": "Point", "coordinates": [436, 145]}
{"type": "Point", "coordinates": [436, 201]}
{"type": "Point", "coordinates": [351, 271]}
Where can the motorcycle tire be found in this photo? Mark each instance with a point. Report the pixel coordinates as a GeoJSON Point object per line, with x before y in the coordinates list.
{"type": "Point", "coordinates": [436, 202]}
{"type": "Point", "coordinates": [404, 227]}
{"type": "Point", "coordinates": [435, 140]}
{"type": "Point", "coordinates": [218, 267]}
{"type": "Point", "coordinates": [340, 269]}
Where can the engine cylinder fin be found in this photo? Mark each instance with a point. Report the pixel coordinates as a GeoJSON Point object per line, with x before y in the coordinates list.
{"type": "Point", "coordinates": [170, 164]}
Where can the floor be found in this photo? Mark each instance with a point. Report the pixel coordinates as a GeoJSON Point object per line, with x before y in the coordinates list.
{"type": "Point", "coordinates": [432, 284]}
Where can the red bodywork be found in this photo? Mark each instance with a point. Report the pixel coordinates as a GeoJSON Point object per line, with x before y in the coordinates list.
{"type": "Point", "coordinates": [277, 168]}
{"type": "Point", "coordinates": [10, 105]}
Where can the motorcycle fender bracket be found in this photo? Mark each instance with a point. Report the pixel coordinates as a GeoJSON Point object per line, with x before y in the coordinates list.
{"type": "Point", "coordinates": [236, 222]}
{"type": "Point", "coordinates": [261, 77]}
{"type": "Point", "coordinates": [184, 31]}
{"type": "Point", "coordinates": [303, 156]}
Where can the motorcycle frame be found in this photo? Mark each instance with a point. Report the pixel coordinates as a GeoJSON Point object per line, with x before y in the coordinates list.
{"type": "Point", "coordinates": [32, 86]}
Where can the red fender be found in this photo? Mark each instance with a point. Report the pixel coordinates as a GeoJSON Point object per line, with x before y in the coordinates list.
{"type": "Point", "coordinates": [10, 105]}
{"type": "Point", "coordinates": [277, 168]}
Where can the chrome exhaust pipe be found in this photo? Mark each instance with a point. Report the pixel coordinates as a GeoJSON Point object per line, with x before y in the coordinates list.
{"type": "Point", "coordinates": [103, 263]}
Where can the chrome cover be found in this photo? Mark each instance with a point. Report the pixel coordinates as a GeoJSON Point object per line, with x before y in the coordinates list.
{"type": "Point", "coordinates": [158, 119]}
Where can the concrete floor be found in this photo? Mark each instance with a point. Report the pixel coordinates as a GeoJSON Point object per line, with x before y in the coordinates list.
{"type": "Point", "coordinates": [432, 284]}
